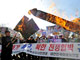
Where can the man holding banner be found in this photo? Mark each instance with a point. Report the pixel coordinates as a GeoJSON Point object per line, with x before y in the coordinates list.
{"type": "Point", "coordinates": [6, 49]}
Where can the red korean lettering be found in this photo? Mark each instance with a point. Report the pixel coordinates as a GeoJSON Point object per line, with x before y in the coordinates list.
{"type": "Point", "coordinates": [38, 46]}
{"type": "Point", "coordinates": [57, 47]}
{"type": "Point", "coordinates": [15, 47]}
{"type": "Point", "coordinates": [70, 47]}
{"type": "Point", "coordinates": [43, 46]}
{"type": "Point", "coordinates": [51, 48]}
{"type": "Point", "coordinates": [63, 47]}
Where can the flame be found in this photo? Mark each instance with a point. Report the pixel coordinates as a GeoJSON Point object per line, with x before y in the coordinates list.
{"type": "Point", "coordinates": [71, 18]}
{"type": "Point", "coordinates": [56, 12]}
{"type": "Point", "coordinates": [22, 20]}
{"type": "Point", "coordinates": [51, 6]}
{"type": "Point", "coordinates": [68, 25]}
{"type": "Point", "coordinates": [57, 20]}
{"type": "Point", "coordinates": [77, 21]}
{"type": "Point", "coordinates": [66, 17]}
{"type": "Point", "coordinates": [29, 12]}
{"type": "Point", "coordinates": [20, 26]}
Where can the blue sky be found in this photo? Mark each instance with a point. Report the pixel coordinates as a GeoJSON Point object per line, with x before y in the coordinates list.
{"type": "Point", "coordinates": [70, 7]}
{"type": "Point", "coordinates": [11, 11]}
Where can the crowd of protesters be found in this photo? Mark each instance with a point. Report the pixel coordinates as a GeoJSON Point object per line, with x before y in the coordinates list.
{"type": "Point", "coordinates": [51, 39]}
{"type": "Point", "coordinates": [43, 39]}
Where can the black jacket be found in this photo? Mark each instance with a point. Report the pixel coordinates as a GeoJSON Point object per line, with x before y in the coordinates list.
{"type": "Point", "coordinates": [5, 41]}
{"type": "Point", "coordinates": [6, 51]}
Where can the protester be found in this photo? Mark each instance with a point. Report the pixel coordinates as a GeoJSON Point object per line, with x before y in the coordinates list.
{"type": "Point", "coordinates": [50, 39]}
{"type": "Point", "coordinates": [6, 49]}
{"type": "Point", "coordinates": [73, 39]}
{"type": "Point", "coordinates": [62, 38]}
{"type": "Point", "coordinates": [37, 39]}
{"type": "Point", "coordinates": [31, 40]}
{"type": "Point", "coordinates": [43, 39]}
{"type": "Point", "coordinates": [57, 39]}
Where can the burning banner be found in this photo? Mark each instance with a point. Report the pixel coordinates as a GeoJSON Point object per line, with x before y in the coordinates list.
{"type": "Point", "coordinates": [21, 25]}
{"type": "Point", "coordinates": [26, 27]}
{"type": "Point", "coordinates": [31, 28]}
{"type": "Point", "coordinates": [70, 26]}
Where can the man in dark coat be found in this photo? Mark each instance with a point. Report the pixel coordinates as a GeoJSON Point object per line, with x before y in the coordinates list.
{"type": "Point", "coordinates": [6, 49]}
{"type": "Point", "coordinates": [62, 38]}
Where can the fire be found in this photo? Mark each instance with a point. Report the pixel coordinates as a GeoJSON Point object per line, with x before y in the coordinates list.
{"type": "Point", "coordinates": [29, 12]}
{"type": "Point", "coordinates": [20, 26]}
{"type": "Point", "coordinates": [56, 12]}
{"type": "Point", "coordinates": [22, 20]}
{"type": "Point", "coordinates": [66, 17]}
{"type": "Point", "coordinates": [60, 21]}
{"type": "Point", "coordinates": [77, 21]}
{"type": "Point", "coordinates": [51, 6]}
{"type": "Point", "coordinates": [71, 18]}
{"type": "Point", "coordinates": [68, 25]}
{"type": "Point", "coordinates": [57, 20]}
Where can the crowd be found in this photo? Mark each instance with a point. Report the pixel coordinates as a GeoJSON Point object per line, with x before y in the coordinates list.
{"type": "Point", "coordinates": [6, 51]}
{"type": "Point", "coordinates": [44, 39]}
{"type": "Point", "coordinates": [51, 39]}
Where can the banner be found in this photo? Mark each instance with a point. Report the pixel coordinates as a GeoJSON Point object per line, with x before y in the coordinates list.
{"type": "Point", "coordinates": [68, 25]}
{"type": "Point", "coordinates": [21, 26]}
{"type": "Point", "coordinates": [31, 28]}
{"type": "Point", "coordinates": [62, 50]}
{"type": "Point", "coordinates": [26, 27]}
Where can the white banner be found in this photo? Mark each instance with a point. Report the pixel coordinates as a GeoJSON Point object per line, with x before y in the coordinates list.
{"type": "Point", "coordinates": [62, 50]}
